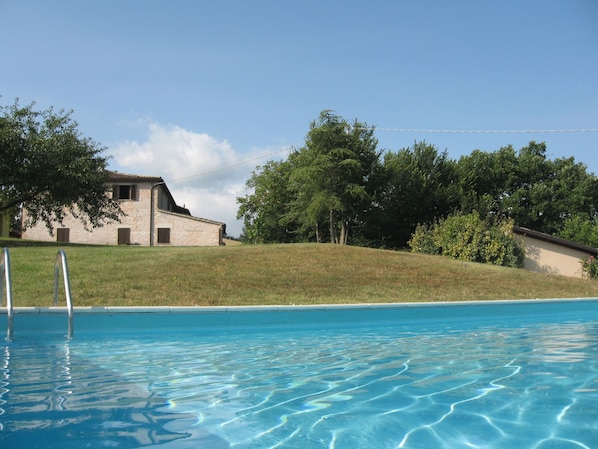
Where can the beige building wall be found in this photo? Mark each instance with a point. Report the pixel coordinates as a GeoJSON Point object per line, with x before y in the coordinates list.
{"type": "Point", "coordinates": [185, 230]}
{"type": "Point", "coordinates": [547, 257]}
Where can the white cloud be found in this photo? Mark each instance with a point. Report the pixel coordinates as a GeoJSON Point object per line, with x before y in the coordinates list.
{"type": "Point", "coordinates": [204, 174]}
{"type": "Point", "coordinates": [218, 205]}
{"type": "Point", "coordinates": [176, 153]}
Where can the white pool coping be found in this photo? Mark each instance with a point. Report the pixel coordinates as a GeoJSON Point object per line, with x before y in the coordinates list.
{"type": "Point", "coordinates": [274, 308]}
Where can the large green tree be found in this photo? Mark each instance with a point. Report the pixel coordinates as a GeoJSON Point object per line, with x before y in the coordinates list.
{"type": "Point", "coordinates": [266, 212]}
{"type": "Point", "coordinates": [324, 191]}
{"type": "Point", "coordinates": [50, 169]}
{"type": "Point", "coordinates": [421, 185]}
{"type": "Point", "coordinates": [550, 191]}
{"type": "Point", "coordinates": [334, 173]}
{"type": "Point", "coordinates": [582, 229]}
{"type": "Point", "coordinates": [486, 178]}
{"type": "Point", "coordinates": [536, 192]}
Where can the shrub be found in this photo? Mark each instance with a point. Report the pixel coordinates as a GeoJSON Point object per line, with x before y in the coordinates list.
{"type": "Point", "coordinates": [422, 240]}
{"type": "Point", "coordinates": [469, 237]}
{"type": "Point", "coordinates": [589, 267]}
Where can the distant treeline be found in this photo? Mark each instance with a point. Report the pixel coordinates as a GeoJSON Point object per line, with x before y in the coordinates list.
{"type": "Point", "coordinates": [339, 187]}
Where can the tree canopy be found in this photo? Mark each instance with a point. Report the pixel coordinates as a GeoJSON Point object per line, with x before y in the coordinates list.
{"type": "Point", "coordinates": [420, 186]}
{"type": "Point", "coordinates": [321, 192]}
{"type": "Point", "coordinates": [339, 187]}
{"type": "Point", "coordinates": [50, 169]}
{"type": "Point", "coordinates": [536, 192]}
{"type": "Point", "coordinates": [333, 175]}
{"type": "Point", "coordinates": [266, 212]}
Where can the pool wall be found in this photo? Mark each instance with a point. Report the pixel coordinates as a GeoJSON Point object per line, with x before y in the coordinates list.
{"type": "Point", "coordinates": [43, 320]}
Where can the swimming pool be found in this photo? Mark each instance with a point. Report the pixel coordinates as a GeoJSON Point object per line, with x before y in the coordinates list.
{"type": "Point", "coordinates": [475, 375]}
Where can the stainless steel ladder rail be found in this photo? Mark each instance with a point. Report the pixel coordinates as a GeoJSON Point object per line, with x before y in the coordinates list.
{"type": "Point", "coordinates": [5, 271]}
{"type": "Point", "coordinates": [62, 263]}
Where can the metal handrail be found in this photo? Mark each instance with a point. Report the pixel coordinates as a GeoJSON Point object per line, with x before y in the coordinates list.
{"type": "Point", "coordinates": [5, 269]}
{"type": "Point", "coordinates": [61, 262]}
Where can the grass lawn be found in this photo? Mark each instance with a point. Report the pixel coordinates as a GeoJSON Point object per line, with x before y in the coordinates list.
{"type": "Point", "coordinates": [268, 274]}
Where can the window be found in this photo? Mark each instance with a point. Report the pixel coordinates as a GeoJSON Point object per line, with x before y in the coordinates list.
{"type": "Point", "coordinates": [124, 236]}
{"type": "Point", "coordinates": [163, 235]}
{"type": "Point", "coordinates": [124, 192]}
{"type": "Point", "coordinates": [62, 235]}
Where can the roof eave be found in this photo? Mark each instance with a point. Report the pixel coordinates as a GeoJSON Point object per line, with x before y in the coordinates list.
{"type": "Point", "coordinates": [555, 240]}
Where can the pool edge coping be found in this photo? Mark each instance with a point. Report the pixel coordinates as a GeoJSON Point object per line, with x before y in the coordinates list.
{"type": "Point", "coordinates": [278, 308]}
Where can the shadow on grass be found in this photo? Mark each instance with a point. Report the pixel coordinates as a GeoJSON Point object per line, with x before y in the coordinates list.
{"type": "Point", "coordinates": [16, 243]}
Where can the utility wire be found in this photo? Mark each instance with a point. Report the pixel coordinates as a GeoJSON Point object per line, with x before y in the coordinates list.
{"type": "Point", "coordinates": [488, 131]}
{"type": "Point", "coordinates": [404, 130]}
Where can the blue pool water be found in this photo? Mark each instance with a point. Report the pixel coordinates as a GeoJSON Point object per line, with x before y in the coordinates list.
{"type": "Point", "coordinates": [491, 375]}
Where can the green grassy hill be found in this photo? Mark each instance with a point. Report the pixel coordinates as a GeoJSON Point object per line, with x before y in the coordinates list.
{"type": "Point", "coordinates": [269, 274]}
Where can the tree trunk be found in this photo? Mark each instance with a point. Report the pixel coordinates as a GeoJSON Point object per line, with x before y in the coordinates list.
{"type": "Point", "coordinates": [344, 233]}
{"type": "Point", "coordinates": [333, 238]}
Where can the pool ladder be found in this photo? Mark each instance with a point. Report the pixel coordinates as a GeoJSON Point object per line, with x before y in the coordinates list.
{"type": "Point", "coordinates": [60, 262]}
{"type": "Point", "coordinates": [5, 271]}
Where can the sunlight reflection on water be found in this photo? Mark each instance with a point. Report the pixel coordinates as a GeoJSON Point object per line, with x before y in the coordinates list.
{"type": "Point", "coordinates": [450, 384]}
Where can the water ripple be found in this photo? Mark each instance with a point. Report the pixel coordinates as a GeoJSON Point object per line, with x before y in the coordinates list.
{"type": "Point", "coordinates": [384, 388]}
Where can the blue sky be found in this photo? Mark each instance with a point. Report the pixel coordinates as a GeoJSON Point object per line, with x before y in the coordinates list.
{"type": "Point", "coordinates": [200, 92]}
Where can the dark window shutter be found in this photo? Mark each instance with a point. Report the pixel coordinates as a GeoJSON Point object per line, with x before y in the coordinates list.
{"type": "Point", "coordinates": [163, 235]}
{"type": "Point", "coordinates": [124, 236]}
{"type": "Point", "coordinates": [62, 235]}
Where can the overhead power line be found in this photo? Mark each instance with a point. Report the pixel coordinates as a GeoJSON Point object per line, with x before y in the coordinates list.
{"type": "Point", "coordinates": [489, 131]}
{"type": "Point", "coordinates": [404, 130]}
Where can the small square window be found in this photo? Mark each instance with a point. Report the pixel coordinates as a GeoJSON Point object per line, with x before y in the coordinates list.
{"type": "Point", "coordinates": [163, 235]}
{"type": "Point", "coordinates": [124, 192]}
{"type": "Point", "coordinates": [62, 235]}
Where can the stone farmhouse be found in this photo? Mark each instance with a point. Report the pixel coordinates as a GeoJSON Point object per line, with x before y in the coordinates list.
{"type": "Point", "coordinates": [152, 219]}
{"type": "Point", "coordinates": [545, 253]}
